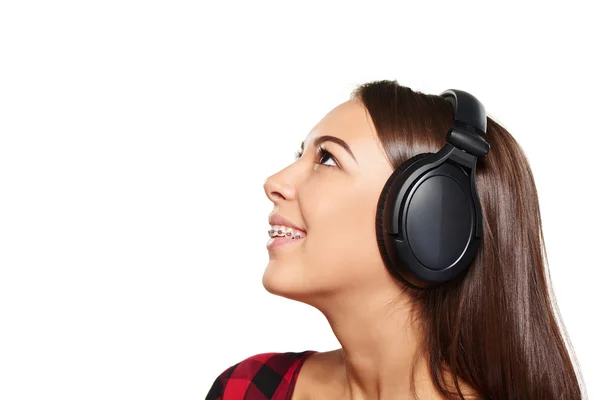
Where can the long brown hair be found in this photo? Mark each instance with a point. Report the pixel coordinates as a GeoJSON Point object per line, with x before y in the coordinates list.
{"type": "Point", "coordinates": [495, 329]}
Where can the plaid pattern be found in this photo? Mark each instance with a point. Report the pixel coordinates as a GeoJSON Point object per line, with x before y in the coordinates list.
{"type": "Point", "coordinates": [266, 376]}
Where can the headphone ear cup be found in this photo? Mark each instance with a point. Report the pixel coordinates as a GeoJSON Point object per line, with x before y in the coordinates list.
{"type": "Point", "coordinates": [395, 270]}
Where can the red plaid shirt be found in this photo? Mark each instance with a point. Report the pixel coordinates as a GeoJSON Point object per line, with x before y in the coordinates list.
{"type": "Point", "coordinates": [266, 376]}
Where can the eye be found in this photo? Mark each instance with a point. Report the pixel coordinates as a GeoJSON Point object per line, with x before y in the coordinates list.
{"type": "Point", "coordinates": [323, 154]}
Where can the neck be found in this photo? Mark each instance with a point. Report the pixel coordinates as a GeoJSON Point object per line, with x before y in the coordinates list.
{"type": "Point", "coordinates": [380, 345]}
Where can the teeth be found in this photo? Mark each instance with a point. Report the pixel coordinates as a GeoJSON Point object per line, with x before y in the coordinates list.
{"type": "Point", "coordinates": [285, 231]}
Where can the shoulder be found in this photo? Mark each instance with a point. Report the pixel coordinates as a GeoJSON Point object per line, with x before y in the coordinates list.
{"type": "Point", "coordinates": [261, 376]}
{"type": "Point", "coordinates": [323, 373]}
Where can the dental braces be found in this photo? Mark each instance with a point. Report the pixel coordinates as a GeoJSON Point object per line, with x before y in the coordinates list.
{"type": "Point", "coordinates": [280, 232]}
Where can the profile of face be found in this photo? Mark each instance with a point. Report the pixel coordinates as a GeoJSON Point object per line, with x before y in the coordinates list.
{"type": "Point", "coordinates": [331, 193]}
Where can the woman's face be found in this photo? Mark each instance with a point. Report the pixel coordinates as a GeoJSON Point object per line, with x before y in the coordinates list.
{"type": "Point", "coordinates": [333, 197]}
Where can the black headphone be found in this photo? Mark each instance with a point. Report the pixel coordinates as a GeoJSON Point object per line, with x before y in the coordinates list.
{"type": "Point", "coordinates": [428, 215]}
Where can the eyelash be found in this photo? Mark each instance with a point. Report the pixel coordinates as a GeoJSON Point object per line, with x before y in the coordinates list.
{"type": "Point", "coordinates": [322, 153]}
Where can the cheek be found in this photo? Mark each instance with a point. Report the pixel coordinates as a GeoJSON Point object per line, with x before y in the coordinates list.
{"type": "Point", "coordinates": [341, 238]}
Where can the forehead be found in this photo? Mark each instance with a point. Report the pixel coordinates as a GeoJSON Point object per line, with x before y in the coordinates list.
{"type": "Point", "coordinates": [349, 121]}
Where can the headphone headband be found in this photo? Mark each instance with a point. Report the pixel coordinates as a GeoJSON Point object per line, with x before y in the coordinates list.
{"type": "Point", "coordinates": [467, 109]}
{"type": "Point", "coordinates": [470, 123]}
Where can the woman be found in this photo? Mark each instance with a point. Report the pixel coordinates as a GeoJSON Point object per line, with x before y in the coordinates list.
{"type": "Point", "coordinates": [489, 333]}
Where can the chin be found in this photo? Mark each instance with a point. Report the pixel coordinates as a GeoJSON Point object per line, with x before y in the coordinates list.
{"type": "Point", "coordinates": [285, 280]}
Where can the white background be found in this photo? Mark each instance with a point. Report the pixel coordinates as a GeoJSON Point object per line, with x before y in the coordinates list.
{"type": "Point", "coordinates": [135, 138]}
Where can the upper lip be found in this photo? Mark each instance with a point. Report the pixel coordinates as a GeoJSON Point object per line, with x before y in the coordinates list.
{"type": "Point", "coordinates": [277, 219]}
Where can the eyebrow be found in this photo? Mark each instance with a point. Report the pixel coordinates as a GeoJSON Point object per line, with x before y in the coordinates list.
{"type": "Point", "coordinates": [334, 139]}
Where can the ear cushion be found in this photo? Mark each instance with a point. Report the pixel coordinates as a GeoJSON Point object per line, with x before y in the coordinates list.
{"type": "Point", "coordinates": [395, 270]}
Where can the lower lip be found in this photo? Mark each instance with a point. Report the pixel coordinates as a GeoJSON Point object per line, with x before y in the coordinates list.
{"type": "Point", "coordinates": [280, 241]}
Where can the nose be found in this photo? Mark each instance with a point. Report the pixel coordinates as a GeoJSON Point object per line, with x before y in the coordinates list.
{"type": "Point", "coordinates": [278, 188]}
